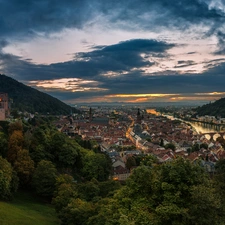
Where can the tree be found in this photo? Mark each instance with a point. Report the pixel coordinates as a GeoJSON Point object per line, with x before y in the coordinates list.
{"type": "Point", "coordinates": [195, 147]}
{"type": "Point", "coordinates": [15, 114]}
{"type": "Point", "coordinates": [170, 146]}
{"type": "Point", "coordinates": [89, 190]}
{"type": "Point", "coordinates": [96, 165]}
{"type": "Point", "coordinates": [39, 153]}
{"type": "Point", "coordinates": [24, 166]}
{"type": "Point", "coordinates": [204, 145]}
{"type": "Point", "coordinates": [168, 194]}
{"type": "Point", "coordinates": [16, 126]}
{"type": "Point", "coordinates": [3, 145]}
{"type": "Point", "coordinates": [149, 160]}
{"type": "Point", "coordinates": [15, 144]}
{"type": "Point", "coordinates": [65, 191]}
{"type": "Point", "coordinates": [65, 150]}
{"type": "Point", "coordinates": [219, 179]}
{"type": "Point", "coordinates": [40, 146]}
{"type": "Point", "coordinates": [67, 154]}
{"type": "Point", "coordinates": [77, 212]}
{"type": "Point", "coordinates": [44, 178]}
{"type": "Point", "coordinates": [106, 212]}
{"type": "Point", "coordinates": [108, 188]}
{"type": "Point", "coordinates": [131, 162]}
{"type": "Point", "coordinates": [8, 179]}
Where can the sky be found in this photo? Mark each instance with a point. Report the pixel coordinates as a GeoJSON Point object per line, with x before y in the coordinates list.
{"type": "Point", "coordinates": [124, 51]}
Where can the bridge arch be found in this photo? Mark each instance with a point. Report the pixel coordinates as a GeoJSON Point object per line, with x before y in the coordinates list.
{"type": "Point", "coordinates": [214, 136]}
{"type": "Point", "coordinates": [207, 136]}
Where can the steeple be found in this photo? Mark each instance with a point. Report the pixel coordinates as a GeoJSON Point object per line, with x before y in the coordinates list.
{"type": "Point", "coordinates": [90, 114]}
{"type": "Point", "coordinates": [138, 116]}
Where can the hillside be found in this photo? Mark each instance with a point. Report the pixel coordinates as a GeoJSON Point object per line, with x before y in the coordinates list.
{"type": "Point", "coordinates": [26, 209]}
{"type": "Point", "coordinates": [31, 100]}
{"type": "Point", "coordinates": [216, 108]}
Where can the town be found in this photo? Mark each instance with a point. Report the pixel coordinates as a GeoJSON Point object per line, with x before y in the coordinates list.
{"type": "Point", "coordinates": [126, 133]}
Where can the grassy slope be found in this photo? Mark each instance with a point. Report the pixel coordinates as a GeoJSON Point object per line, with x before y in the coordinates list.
{"type": "Point", "coordinates": [27, 210]}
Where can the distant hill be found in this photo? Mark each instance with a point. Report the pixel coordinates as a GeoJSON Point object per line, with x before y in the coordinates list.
{"type": "Point", "coordinates": [216, 108]}
{"type": "Point", "coordinates": [28, 99]}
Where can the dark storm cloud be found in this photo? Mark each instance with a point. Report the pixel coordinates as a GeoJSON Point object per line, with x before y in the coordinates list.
{"type": "Point", "coordinates": [166, 84]}
{"type": "Point", "coordinates": [24, 18]}
{"type": "Point", "coordinates": [126, 55]}
{"type": "Point", "coordinates": [194, 11]}
{"type": "Point", "coordinates": [118, 58]}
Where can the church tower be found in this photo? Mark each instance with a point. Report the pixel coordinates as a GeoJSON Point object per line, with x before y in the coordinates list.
{"type": "Point", "coordinates": [90, 114]}
{"type": "Point", "coordinates": [138, 116]}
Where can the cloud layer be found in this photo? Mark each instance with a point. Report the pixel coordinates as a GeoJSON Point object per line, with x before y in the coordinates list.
{"type": "Point", "coordinates": [180, 48]}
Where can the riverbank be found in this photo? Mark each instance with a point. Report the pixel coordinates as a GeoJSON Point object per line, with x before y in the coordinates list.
{"type": "Point", "coordinates": [198, 127]}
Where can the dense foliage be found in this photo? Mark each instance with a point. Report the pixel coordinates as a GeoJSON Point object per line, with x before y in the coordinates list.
{"type": "Point", "coordinates": [212, 109]}
{"type": "Point", "coordinates": [28, 99]}
{"type": "Point", "coordinates": [178, 192]}
{"type": "Point", "coordinates": [38, 153]}
{"type": "Point", "coordinates": [8, 180]}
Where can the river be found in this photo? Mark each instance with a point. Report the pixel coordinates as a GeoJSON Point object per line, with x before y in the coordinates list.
{"type": "Point", "coordinates": [197, 126]}
{"type": "Point", "coordinates": [205, 128]}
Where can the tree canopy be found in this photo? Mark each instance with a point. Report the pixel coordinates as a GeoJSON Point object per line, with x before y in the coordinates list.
{"type": "Point", "coordinates": [44, 178]}
{"type": "Point", "coordinates": [178, 192]}
{"type": "Point", "coordinates": [8, 180]}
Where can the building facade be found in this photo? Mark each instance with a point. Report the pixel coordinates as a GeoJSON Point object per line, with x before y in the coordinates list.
{"type": "Point", "coordinates": [4, 106]}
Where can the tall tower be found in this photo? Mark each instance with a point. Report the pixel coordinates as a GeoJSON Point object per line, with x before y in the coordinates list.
{"type": "Point", "coordinates": [138, 116]}
{"type": "Point", "coordinates": [90, 114]}
{"type": "Point", "coordinates": [4, 106]}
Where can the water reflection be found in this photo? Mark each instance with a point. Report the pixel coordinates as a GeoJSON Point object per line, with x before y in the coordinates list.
{"type": "Point", "coordinates": [200, 127]}
{"type": "Point", "coordinates": [197, 126]}
{"type": "Point", "coordinates": [205, 128]}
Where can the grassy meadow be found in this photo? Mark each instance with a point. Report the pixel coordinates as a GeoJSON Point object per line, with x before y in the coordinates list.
{"type": "Point", "coordinates": [25, 209]}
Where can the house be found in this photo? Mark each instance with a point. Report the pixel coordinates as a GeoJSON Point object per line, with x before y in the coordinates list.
{"type": "Point", "coordinates": [118, 163]}
{"type": "Point", "coordinates": [120, 173]}
{"type": "Point", "coordinates": [104, 146]}
{"type": "Point", "coordinates": [165, 158]}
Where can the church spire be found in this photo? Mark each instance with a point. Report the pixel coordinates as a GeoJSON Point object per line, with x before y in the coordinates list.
{"type": "Point", "coordinates": [138, 116]}
{"type": "Point", "coordinates": [90, 114]}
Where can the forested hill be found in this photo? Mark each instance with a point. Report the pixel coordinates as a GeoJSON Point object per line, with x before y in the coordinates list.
{"type": "Point", "coordinates": [31, 100]}
{"type": "Point", "coordinates": [216, 108]}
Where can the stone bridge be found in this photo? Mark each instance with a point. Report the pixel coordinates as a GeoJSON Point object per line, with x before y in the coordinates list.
{"type": "Point", "coordinates": [213, 135]}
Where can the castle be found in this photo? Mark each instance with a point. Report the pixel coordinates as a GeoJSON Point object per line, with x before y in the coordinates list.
{"type": "Point", "coordinates": [4, 106]}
